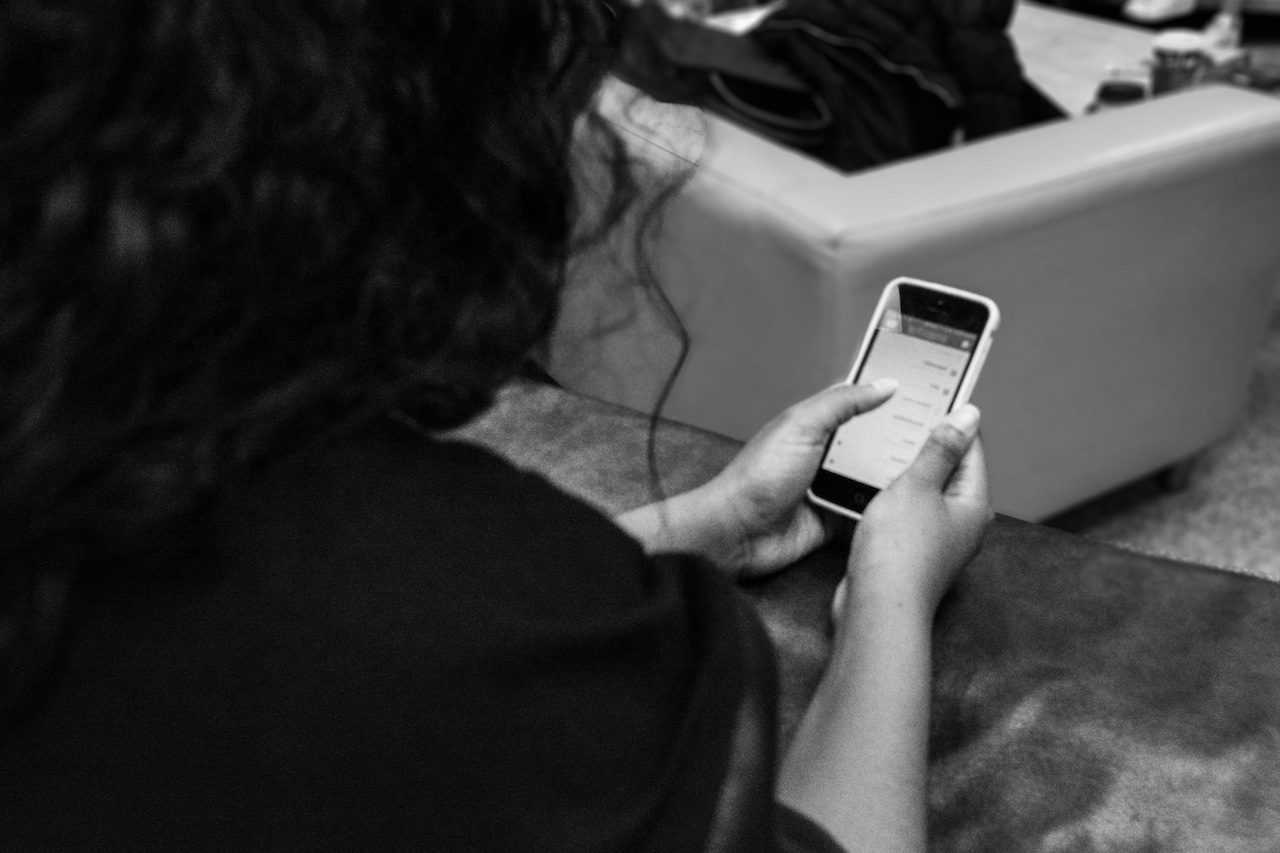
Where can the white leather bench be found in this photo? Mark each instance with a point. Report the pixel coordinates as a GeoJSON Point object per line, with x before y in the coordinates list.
{"type": "Point", "coordinates": [1134, 255]}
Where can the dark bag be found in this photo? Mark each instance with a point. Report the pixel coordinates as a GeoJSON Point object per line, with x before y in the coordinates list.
{"type": "Point", "coordinates": [812, 77]}
{"type": "Point", "coordinates": [682, 61]}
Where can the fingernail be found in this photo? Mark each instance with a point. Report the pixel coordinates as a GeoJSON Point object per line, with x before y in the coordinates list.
{"type": "Point", "coordinates": [965, 418]}
{"type": "Point", "coordinates": [885, 385]}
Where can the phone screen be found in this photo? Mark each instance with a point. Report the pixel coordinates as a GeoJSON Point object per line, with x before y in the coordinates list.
{"type": "Point", "coordinates": [929, 361]}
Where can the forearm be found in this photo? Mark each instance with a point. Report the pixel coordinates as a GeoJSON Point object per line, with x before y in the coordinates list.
{"type": "Point", "coordinates": [686, 523]}
{"type": "Point", "coordinates": [857, 764]}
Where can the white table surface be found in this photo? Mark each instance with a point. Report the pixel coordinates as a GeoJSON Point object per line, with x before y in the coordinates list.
{"type": "Point", "coordinates": [1067, 54]}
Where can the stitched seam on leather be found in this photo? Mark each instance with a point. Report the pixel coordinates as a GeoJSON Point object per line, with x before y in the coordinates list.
{"type": "Point", "coordinates": [1168, 555]}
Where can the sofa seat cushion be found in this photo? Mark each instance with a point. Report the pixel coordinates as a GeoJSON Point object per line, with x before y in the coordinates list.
{"type": "Point", "coordinates": [1085, 697]}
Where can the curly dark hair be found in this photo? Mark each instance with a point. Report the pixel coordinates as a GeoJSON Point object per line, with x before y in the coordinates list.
{"type": "Point", "coordinates": [229, 228]}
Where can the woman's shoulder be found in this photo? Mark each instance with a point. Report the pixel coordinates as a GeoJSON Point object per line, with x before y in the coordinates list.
{"type": "Point", "coordinates": [407, 637]}
{"type": "Point", "coordinates": [414, 519]}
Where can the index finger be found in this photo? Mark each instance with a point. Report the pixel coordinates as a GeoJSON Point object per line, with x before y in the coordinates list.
{"type": "Point", "coordinates": [828, 409]}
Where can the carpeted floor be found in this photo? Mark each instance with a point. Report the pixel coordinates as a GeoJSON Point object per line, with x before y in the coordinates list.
{"type": "Point", "coordinates": [1229, 513]}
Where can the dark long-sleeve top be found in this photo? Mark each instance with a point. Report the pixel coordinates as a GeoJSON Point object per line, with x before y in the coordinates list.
{"type": "Point", "coordinates": [400, 643]}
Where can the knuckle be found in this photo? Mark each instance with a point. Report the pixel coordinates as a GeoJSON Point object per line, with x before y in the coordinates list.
{"type": "Point", "coordinates": [794, 415]}
{"type": "Point", "coordinates": [790, 414]}
{"type": "Point", "coordinates": [794, 420]}
{"type": "Point", "coordinates": [949, 439]}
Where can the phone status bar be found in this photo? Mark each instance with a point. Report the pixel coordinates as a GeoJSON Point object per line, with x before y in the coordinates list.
{"type": "Point", "coordinates": [895, 321]}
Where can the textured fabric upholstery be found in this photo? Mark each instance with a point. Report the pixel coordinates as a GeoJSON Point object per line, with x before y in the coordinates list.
{"type": "Point", "coordinates": [1085, 697]}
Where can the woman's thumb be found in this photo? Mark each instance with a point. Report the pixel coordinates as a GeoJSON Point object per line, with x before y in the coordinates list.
{"type": "Point", "coordinates": [945, 447]}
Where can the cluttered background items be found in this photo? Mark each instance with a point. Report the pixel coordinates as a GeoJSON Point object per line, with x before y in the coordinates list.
{"type": "Point", "coordinates": [856, 85]}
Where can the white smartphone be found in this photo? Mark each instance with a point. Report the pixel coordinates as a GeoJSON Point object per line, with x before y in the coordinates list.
{"type": "Point", "coordinates": [933, 339]}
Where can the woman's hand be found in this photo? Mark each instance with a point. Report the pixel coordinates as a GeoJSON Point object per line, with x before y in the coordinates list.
{"type": "Point", "coordinates": [761, 493]}
{"type": "Point", "coordinates": [916, 534]}
{"type": "Point", "coordinates": [857, 764]}
{"type": "Point", "coordinates": [752, 518]}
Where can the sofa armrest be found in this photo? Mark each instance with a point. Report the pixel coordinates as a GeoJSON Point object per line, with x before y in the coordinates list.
{"type": "Point", "coordinates": [1131, 253]}
{"type": "Point", "coordinates": [1085, 697]}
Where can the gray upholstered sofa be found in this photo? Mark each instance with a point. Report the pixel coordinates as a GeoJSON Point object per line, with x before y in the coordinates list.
{"type": "Point", "coordinates": [1086, 698]}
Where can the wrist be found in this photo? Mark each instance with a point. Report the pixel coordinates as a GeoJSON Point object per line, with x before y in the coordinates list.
{"type": "Point", "coordinates": [884, 609]}
{"type": "Point", "coordinates": [694, 522]}
{"type": "Point", "coordinates": [899, 601]}
{"type": "Point", "coordinates": [894, 573]}
{"type": "Point", "coordinates": [868, 632]}
{"type": "Point", "coordinates": [711, 529]}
